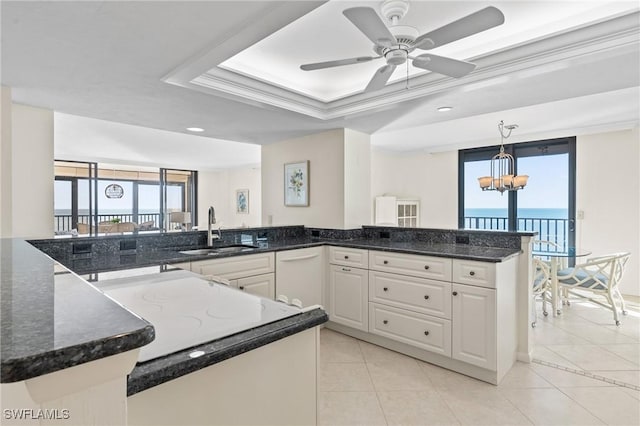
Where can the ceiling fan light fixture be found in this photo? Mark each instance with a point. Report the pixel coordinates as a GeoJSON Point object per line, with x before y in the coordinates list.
{"type": "Point", "coordinates": [396, 57]}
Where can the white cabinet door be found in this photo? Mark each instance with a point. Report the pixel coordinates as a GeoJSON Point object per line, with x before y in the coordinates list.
{"type": "Point", "coordinates": [474, 325]}
{"type": "Point", "coordinates": [262, 285]}
{"type": "Point", "coordinates": [300, 274]}
{"type": "Point", "coordinates": [348, 296]}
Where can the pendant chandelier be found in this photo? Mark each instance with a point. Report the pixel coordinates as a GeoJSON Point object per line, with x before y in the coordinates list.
{"type": "Point", "coordinates": [503, 177]}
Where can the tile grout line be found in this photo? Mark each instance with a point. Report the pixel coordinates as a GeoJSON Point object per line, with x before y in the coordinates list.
{"type": "Point", "coordinates": [373, 385]}
{"type": "Point", "coordinates": [587, 374]}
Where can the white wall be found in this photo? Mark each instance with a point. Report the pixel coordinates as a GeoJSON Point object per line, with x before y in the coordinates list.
{"type": "Point", "coordinates": [244, 178]}
{"type": "Point", "coordinates": [339, 180]}
{"type": "Point", "coordinates": [325, 152]}
{"type": "Point", "coordinates": [218, 189]}
{"type": "Point", "coordinates": [5, 163]}
{"type": "Point", "coordinates": [431, 178]}
{"type": "Point", "coordinates": [607, 190]}
{"type": "Point", "coordinates": [32, 174]}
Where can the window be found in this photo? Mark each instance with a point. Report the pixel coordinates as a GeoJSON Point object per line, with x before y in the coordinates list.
{"type": "Point", "coordinates": [546, 205]}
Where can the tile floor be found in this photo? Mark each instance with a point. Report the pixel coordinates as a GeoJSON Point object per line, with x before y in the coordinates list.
{"type": "Point", "coordinates": [364, 384]}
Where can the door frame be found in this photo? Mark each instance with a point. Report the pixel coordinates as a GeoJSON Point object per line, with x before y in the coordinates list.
{"type": "Point", "coordinates": [565, 145]}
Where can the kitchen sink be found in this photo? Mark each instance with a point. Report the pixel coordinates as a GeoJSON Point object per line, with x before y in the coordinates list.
{"type": "Point", "coordinates": [219, 250]}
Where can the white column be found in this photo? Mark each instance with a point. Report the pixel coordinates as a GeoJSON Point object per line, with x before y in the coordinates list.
{"type": "Point", "coordinates": [524, 295]}
{"type": "Point", "coordinates": [32, 172]}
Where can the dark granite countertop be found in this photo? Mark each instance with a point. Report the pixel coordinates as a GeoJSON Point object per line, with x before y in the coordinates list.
{"type": "Point", "coordinates": [455, 251]}
{"type": "Point", "coordinates": [154, 372]}
{"type": "Point", "coordinates": [91, 264]}
{"type": "Point", "coordinates": [51, 319]}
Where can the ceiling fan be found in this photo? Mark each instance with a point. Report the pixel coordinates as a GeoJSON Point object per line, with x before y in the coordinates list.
{"type": "Point", "coordinates": [396, 42]}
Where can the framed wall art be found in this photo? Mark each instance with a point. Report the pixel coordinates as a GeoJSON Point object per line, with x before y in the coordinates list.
{"type": "Point", "coordinates": [296, 184]}
{"type": "Point", "coordinates": [242, 201]}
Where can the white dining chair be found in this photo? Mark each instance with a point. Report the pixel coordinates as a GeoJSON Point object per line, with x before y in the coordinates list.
{"type": "Point", "coordinates": [541, 287]}
{"type": "Point", "coordinates": [600, 275]}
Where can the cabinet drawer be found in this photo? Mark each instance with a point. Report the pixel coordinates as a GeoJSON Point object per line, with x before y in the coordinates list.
{"type": "Point", "coordinates": [423, 331]}
{"type": "Point", "coordinates": [349, 257]}
{"type": "Point", "coordinates": [236, 266]}
{"type": "Point", "coordinates": [436, 268]}
{"type": "Point", "coordinates": [482, 274]}
{"type": "Point", "coordinates": [422, 295]}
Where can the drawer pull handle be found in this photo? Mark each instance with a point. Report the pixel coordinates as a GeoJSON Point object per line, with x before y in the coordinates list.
{"type": "Point", "coordinates": [386, 262]}
{"type": "Point", "coordinates": [455, 293]}
{"type": "Point", "coordinates": [241, 287]}
{"type": "Point", "coordinates": [426, 267]}
{"type": "Point", "coordinates": [385, 288]}
{"type": "Point", "coordinates": [346, 269]}
{"type": "Point", "coordinates": [346, 257]}
{"type": "Point", "coordinates": [426, 333]}
{"type": "Point", "coordinates": [472, 273]}
{"type": "Point", "coordinates": [385, 321]}
{"type": "Point", "coordinates": [426, 297]}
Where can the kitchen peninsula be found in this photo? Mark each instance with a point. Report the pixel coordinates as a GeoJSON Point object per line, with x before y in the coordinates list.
{"type": "Point", "coordinates": [444, 249]}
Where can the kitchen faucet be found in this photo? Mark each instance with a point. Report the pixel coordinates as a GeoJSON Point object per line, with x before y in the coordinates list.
{"type": "Point", "coordinates": [210, 235]}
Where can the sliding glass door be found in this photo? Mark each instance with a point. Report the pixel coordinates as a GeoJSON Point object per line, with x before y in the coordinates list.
{"type": "Point", "coordinates": [91, 199]}
{"type": "Point", "coordinates": [546, 205]}
{"type": "Point", "coordinates": [75, 197]}
{"type": "Point", "coordinates": [178, 195]}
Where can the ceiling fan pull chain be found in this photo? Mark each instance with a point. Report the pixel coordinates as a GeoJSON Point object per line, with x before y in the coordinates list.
{"type": "Point", "coordinates": [407, 85]}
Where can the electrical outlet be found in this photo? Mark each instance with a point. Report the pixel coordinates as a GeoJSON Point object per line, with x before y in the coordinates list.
{"type": "Point", "coordinates": [462, 239]}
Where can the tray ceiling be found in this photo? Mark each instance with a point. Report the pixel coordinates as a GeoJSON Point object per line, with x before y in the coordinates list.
{"type": "Point", "coordinates": [268, 72]}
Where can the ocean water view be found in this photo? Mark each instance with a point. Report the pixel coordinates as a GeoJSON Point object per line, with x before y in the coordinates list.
{"type": "Point", "coordinates": [522, 213]}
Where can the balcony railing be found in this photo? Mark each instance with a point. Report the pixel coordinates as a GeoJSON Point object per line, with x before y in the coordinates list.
{"type": "Point", "coordinates": [548, 229]}
{"type": "Point", "coordinates": [64, 222]}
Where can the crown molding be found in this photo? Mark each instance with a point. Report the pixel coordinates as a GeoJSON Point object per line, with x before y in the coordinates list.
{"type": "Point", "coordinates": [541, 55]}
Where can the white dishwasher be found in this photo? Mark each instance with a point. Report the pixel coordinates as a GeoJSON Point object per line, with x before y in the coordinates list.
{"type": "Point", "coordinates": [300, 274]}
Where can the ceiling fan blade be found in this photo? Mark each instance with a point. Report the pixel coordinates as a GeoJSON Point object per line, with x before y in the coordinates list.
{"type": "Point", "coordinates": [338, 63]}
{"type": "Point", "coordinates": [380, 78]}
{"type": "Point", "coordinates": [477, 22]}
{"type": "Point", "coordinates": [442, 65]}
{"type": "Point", "coordinates": [369, 22]}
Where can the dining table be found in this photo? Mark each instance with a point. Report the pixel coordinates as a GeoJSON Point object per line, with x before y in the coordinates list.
{"type": "Point", "coordinates": [555, 255]}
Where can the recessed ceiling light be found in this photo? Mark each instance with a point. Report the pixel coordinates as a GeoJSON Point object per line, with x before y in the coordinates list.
{"type": "Point", "coordinates": [444, 109]}
{"type": "Point", "coordinates": [195, 129]}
